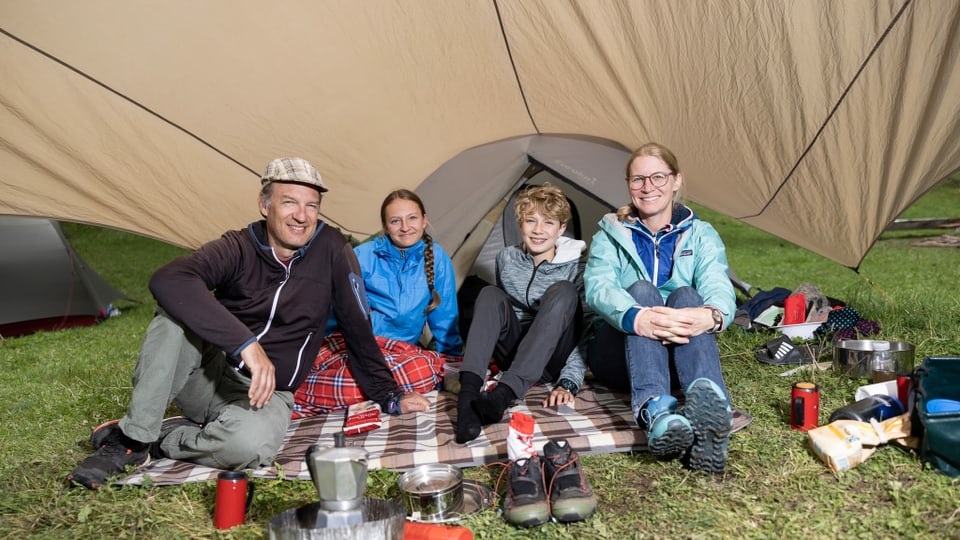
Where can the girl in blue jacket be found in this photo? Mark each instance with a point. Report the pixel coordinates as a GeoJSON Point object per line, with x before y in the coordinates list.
{"type": "Point", "coordinates": [410, 284]}
{"type": "Point", "coordinates": [409, 279]}
{"type": "Point", "coordinates": [658, 276]}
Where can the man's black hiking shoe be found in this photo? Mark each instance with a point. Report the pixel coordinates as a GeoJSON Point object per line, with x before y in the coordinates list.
{"type": "Point", "coordinates": [102, 432]}
{"type": "Point", "coordinates": [571, 498]}
{"type": "Point", "coordinates": [525, 503]}
{"type": "Point", "coordinates": [114, 453]}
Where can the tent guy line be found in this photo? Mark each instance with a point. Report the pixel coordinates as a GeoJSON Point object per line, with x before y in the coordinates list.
{"type": "Point", "coordinates": [832, 113]}
{"type": "Point", "coordinates": [157, 115]}
{"type": "Point", "coordinates": [130, 100]}
{"type": "Point", "coordinates": [513, 67]}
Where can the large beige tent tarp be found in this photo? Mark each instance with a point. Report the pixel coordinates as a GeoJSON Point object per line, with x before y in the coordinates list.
{"type": "Point", "coordinates": [817, 120]}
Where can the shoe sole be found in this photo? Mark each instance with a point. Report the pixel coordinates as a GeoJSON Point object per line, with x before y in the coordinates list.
{"type": "Point", "coordinates": [530, 516]}
{"type": "Point", "coordinates": [712, 421]}
{"type": "Point", "coordinates": [672, 442]}
{"type": "Point", "coordinates": [570, 510]}
{"type": "Point", "coordinates": [92, 478]}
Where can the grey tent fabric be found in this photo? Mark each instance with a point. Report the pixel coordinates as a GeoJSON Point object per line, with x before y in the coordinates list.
{"type": "Point", "coordinates": [44, 284]}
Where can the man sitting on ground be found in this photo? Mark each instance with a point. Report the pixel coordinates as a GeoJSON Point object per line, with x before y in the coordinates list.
{"type": "Point", "coordinates": [232, 359]}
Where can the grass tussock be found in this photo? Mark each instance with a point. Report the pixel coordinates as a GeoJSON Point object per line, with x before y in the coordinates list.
{"type": "Point", "coordinates": [54, 387]}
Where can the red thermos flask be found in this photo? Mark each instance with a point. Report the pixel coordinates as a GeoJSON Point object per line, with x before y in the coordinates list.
{"type": "Point", "coordinates": [804, 406]}
{"type": "Point", "coordinates": [234, 495]}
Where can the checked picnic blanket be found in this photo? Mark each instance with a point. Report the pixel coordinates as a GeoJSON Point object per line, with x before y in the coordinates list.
{"type": "Point", "coordinates": [602, 423]}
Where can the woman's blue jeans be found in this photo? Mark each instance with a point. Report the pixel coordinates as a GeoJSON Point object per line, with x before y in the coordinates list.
{"type": "Point", "coordinates": [652, 367]}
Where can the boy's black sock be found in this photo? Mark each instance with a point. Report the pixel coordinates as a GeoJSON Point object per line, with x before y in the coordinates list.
{"type": "Point", "coordinates": [491, 405]}
{"type": "Point", "coordinates": [468, 423]}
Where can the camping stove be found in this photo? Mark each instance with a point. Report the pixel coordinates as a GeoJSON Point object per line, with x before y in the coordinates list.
{"type": "Point", "coordinates": [340, 476]}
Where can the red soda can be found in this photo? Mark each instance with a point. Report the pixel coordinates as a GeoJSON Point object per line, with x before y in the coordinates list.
{"type": "Point", "coordinates": [804, 406]}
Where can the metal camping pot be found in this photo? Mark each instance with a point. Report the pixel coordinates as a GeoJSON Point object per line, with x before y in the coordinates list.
{"type": "Point", "coordinates": [432, 492]}
{"type": "Point", "coordinates": [851, 357]}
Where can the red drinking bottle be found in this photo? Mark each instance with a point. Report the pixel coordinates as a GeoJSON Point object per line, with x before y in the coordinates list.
{"type": "Point", "coordinates": [903, 391]}
{"type": "Point", "coordinates": [804, 406]}
{"type": "Point", "coordinates": [795, 309]}
{"type": "Point", "coordinates": [234, 496]}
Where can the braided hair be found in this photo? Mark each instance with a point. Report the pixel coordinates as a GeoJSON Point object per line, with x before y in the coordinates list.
{"type": "Point", "coordinates": [428, 257]}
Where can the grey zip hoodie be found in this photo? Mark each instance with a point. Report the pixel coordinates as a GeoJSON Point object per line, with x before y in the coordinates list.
{"type": "Point", "coordinates": [525, 284]}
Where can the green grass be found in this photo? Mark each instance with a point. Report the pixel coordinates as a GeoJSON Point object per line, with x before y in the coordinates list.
{"type": "Point", "coordinates": [54, 387]}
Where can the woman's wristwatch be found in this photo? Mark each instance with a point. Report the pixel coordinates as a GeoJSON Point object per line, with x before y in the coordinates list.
{"type": "Point", "coordinates": [717, 319]}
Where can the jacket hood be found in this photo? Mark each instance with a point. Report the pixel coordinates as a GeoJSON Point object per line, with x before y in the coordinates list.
{"type": "Point", "coordinates": [568, 249]}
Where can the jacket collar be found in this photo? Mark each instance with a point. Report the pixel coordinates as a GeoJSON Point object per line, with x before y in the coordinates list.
{"type": "Point", "coordinates": [258, 233]}
{"type": "Point", "coordinates": [681, 219]}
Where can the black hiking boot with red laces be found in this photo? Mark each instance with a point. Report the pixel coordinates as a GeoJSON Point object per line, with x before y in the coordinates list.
{"type": "Point", "coordinates": [102, 432]}
{"type": "Point", "coordinates": [571, 498]}
{"type": "Point", "coordinates": [525, 503]}
{"type": "Point", "coordinates": [114, 453]}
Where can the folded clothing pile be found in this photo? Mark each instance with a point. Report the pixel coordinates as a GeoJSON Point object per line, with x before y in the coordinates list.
{"type": "Point", "coordinates": [846, 323]}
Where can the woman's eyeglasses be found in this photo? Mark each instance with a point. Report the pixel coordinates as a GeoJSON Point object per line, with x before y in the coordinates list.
{"type": "Point", "coordinates": [657, 180]}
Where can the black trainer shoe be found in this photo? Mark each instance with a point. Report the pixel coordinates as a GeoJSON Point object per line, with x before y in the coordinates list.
{"type": "Point", "coordinates": [571, 498]}
{"type": "Point", "coordinates": [115, 452]}
{"type": "Point", "coordinates": [525, 503]}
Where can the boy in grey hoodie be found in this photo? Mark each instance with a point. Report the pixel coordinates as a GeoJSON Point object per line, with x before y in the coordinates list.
{"type": "Point", "coordinates": [531, 322]}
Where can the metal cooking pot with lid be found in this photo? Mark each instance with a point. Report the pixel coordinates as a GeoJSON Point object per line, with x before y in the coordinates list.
{"type": "Point", "coordinates": [851, 357]}
{"type": "Point", "coordinates": [432, 492]}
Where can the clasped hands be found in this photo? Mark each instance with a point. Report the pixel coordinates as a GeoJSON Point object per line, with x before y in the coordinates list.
{"type": "Point", "coordinates": [673, 325]}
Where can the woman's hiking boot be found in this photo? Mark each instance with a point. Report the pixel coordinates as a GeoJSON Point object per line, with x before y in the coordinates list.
{"type": "Point", "coordinates": [709, 412]}
{"type": "Point", "coordinates": [669, 435]}
{"type": "Point", "coordinates": [571, 498]}
{"type": "Point", "coordinates": [525, 503]}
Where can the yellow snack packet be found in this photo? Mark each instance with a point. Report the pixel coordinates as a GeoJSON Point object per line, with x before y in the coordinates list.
{"type": "Point", "coordinates": [844, 444]}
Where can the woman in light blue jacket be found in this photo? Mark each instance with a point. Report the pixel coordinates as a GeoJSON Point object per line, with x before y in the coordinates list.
{"type": "Point", "coordinates": [657, 275]}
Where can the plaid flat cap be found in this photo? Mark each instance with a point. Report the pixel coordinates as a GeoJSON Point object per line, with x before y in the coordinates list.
{"type": "Point", "coordinates": [293, 169]}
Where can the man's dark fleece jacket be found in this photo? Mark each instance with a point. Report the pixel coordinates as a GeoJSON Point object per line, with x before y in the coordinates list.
{"type": "Point", "coordinates": [284, 307]}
